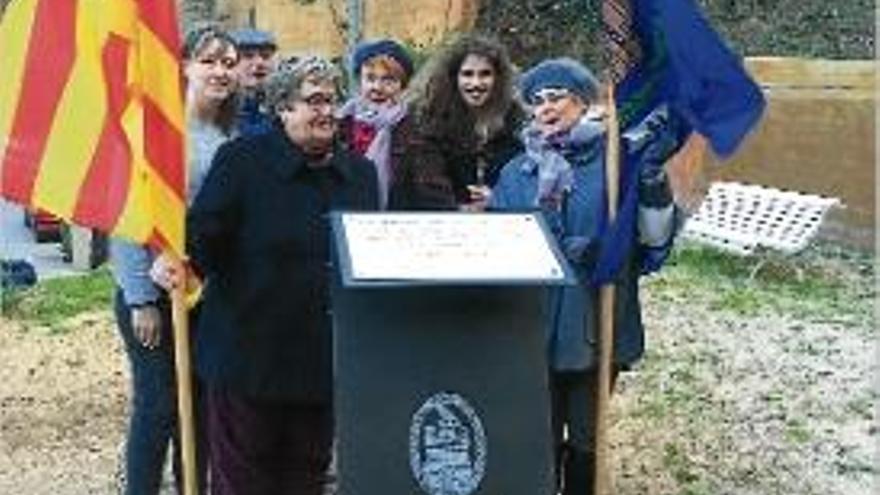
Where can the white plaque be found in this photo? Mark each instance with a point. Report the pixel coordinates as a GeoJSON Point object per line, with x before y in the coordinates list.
{"type": "Point", "coordinates": [449, 246]}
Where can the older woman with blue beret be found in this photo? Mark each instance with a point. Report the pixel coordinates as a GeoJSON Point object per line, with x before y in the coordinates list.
{"type": "Point", "coordinates": [561, 174]}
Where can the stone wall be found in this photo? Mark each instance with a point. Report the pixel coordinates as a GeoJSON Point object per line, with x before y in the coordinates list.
{"type": "Point", "coordinates": [319, 26]}
{"type": "Point", "coordinates": [818, 136]}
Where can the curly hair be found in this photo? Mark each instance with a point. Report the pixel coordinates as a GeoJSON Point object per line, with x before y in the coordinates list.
{"type": "Point", "coordinates": [284, 85]}
{"type": "Point", "coordinates": [436, 99]}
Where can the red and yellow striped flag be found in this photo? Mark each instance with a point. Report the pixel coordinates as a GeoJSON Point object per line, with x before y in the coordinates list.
{"type": "Point", "coordinates": [91, 115]}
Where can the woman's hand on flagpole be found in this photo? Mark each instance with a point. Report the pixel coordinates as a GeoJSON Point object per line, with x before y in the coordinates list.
{"type": "Point", "coordinates": [168, 272]}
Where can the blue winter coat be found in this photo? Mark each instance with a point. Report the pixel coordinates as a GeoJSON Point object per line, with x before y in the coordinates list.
{"type": "Point", "coordinates": [572, 325]}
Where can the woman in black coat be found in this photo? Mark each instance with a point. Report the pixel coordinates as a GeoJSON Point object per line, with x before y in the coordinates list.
{"type": "Point", "coordinates": [259, 235]}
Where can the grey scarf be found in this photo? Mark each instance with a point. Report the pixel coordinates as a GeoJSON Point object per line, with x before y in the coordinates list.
{"type": "Point", "coordinates": [547, 153]}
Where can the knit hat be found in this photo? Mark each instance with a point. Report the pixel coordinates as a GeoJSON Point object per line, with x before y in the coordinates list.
{"type": "Point", "coordinates": [253, 38]}
{"type": "Point", "coordinates": [390, 48]}
{"type": "Point", "coordinates": [564, 73]}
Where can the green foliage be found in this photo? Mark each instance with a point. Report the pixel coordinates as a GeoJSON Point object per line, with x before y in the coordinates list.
{"type": "Point", "coordinates": [840, 29]}
{"type": "Point", "coordinates": [536, 29]}
{"type": "Point", "coordinates": [195, 12]}
{"type": "Point", "coordinates": [418, 52]}
{"type": "Point", "coordinates": [837, 29]}
{"type": "Point", "coordinates": [52, 301]}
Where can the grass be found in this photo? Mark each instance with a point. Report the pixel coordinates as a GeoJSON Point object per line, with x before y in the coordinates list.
{"type": "Point", "coordinates": [52, 301]}
{"type": "Point", "coordinates": [678, 463]}
{"type": "Point", "coordinates": [796, 431]}
{"type": "Point", "coordinates": [823, 282]}
{"type": "Point", "coordinates": [862, 406]}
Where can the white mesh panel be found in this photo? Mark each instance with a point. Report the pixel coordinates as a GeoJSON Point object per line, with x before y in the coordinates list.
{"type": "Point", "coordinates": [738, 218]}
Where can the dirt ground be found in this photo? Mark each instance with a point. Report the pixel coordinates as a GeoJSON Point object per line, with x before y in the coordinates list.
{"type": "Point", "coordinates": [63, 402]}
{"type": "Point", "coordinates": [722, 404]}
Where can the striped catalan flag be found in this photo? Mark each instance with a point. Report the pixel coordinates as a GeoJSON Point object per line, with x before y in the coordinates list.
{"type": "Point", "coordinates": [91, 115]}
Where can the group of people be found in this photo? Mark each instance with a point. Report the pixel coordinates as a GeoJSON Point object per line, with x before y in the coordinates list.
{"type": "Point", "coordinates": [273, 148]}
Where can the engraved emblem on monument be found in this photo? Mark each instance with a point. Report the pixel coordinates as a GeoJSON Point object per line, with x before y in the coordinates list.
{"type": "Point", "coordinates": [447, 446]}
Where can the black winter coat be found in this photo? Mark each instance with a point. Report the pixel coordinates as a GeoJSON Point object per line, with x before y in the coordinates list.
{"type": "Point", "coordinates": [259, 232]}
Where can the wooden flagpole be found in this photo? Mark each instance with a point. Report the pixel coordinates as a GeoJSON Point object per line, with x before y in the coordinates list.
{"type": "Point", "coordinates": [621, 51]}
{"type": "Point", "coordinates": [183, 370]}
{"type": "Point", "coordinates": [602, 479]}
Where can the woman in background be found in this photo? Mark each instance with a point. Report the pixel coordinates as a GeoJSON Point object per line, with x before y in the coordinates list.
{"type": "Point", "coordinates": [375, 122]}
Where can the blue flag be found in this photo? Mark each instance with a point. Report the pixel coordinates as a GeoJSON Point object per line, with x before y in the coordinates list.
{"type": "Point", "coordinates": [685, 64]}
{"type": "Point", "coordinates": [666, 53]}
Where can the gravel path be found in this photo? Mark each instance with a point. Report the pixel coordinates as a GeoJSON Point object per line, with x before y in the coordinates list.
{"type": "Point", "coordinates": [722, 404]}
{"type": "Point", "coordinates": [764, 405]}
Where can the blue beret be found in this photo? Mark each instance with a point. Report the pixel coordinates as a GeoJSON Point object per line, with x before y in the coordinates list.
{"type": "Point", "coordinates": [562, 73]}
{"type": "Point", "coordinates": [390, 48]}
{"type": "Point", "coordinates": [253, 38]}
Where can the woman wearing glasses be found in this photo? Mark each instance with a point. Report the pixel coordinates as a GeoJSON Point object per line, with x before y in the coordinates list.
{"type": "Point", "coordinates": [561, 174]}
{"type": "Point", "coordinates": [259, 235]}
{"type": "Point", "coordinates": [375, 121]}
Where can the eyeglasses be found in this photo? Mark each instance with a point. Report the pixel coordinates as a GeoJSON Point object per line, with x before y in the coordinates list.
{"type": "Point", "coordinates": [549, 95]}
{"type": "Point", "coordinates": [319, 100]}
{"type": "Point", "coordinates": [386, 80]}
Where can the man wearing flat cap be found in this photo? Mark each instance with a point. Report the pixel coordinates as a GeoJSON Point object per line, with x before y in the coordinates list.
{"type": "Point", "coordinates": [256, 50]}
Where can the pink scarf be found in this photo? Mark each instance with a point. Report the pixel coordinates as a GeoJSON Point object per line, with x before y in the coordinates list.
{"type": "Point", "coordinates": [384, 119]}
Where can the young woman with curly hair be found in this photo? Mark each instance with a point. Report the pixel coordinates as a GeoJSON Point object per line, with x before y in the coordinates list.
{"type": "Point", "coordinates": [466, 123]}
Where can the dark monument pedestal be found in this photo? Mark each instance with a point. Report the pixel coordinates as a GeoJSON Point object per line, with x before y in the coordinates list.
{"type": "Point", "coordinates": [441, 390]}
